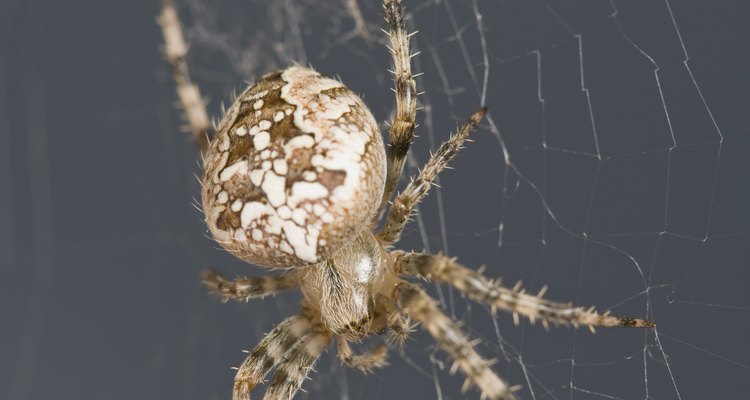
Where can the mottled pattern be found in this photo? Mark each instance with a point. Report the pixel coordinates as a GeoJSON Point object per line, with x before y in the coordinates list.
{"type": "Point", "coordinates": [296, 166]}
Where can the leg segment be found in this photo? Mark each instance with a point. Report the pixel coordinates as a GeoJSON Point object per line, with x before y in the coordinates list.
{"type": "Point", "coordinates": [188, 92]}
{"type": "Point", "coordinates": [483, 290]}
{"type": "Point", "coordinates": [268, 353]}
{"type": "Point", "coordinates": [297, 364]}
{"type": "Point", "coordinates": [244, 289]}
{"type": "Point", "coordinates": [365, 362]}
{"type": "Point", "coordinates": [403, 204]}
{"type": "Point", "coordinates": [402, 126]}
{"type": "Point", "coordinates": [449, 337]}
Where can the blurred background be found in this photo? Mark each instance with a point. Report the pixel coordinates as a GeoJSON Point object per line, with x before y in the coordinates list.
{"type": "Point", "coordinates": [613, 167]}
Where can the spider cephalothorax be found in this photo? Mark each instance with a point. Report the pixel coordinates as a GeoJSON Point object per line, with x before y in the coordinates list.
{"type": "Point", "coordinates": [295, 178]}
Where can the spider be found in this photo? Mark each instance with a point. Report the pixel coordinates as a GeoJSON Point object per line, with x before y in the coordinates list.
{"type": "Point", "coordinates": [296, 178]}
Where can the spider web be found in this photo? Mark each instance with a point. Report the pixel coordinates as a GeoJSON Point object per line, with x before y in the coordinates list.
{"type": "Point", "coordinates": [608, 173]}
{"type": "Point", "coordinates": [612, 167]}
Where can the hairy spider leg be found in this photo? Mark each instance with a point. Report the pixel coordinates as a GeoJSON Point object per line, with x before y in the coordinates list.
{"type": "Point", "coordinates": [297, 363]}
{"type": "Point", "coordinates": [515, 301]}
{"type": "Point", "coordinates": [270, 352]}
{"type": "Point", "coordinates": [244, 289]}
{"type": "Point", "coordinates": [418, 188]}
{"type": "Point", "coordinates": [191, 102]}
{"type": "Point", "coordinates": [417, 304]}
{"type": "Point", "coordinates": [401, 133]}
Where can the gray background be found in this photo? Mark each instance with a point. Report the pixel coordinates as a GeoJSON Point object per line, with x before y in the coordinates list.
{"type": "Point", "coordinates": [101, 250]}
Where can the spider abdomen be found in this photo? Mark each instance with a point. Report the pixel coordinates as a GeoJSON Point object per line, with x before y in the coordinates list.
{"type": "Point", "coordinates": [295, 171]}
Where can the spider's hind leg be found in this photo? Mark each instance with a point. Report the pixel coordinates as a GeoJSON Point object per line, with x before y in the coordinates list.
{"type": "Point", "coordinates": [244, 289]}
{"type": "Point", "coordinates": [475, 285]}
{"type": "Point", "coordinates": [175, 49]}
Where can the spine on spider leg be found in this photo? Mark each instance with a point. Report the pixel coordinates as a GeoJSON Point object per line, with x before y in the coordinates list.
{"type": "Point", "coordinates": [515, 300]}
{"type": "Point", "coordinates": [191, 102]}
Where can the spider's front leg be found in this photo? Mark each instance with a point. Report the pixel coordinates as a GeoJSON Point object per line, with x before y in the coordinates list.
{"type": "Point", "coordinates": [402, 127]}
{"type": "Point", "coordinates": [475, 285]}
{"type": "Point", "coordinates": [417, 189]}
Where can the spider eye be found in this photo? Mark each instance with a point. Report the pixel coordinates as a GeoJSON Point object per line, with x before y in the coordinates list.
{"type": "Point", "coordinates": [296, 170]}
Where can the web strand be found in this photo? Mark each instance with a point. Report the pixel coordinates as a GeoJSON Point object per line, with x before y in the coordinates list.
{"type": "Point", "coordinates": [559, 164]}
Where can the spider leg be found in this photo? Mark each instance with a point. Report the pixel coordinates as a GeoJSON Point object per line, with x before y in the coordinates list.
{"type": "Point", "coordinates": [175, 49]}
{"type": "Point", "coordinates": [417, 189]}
{"type": "Point", "coordinates": [297, 364]}
{"type": "Point", "coordinates": [515, 300]}
{"type": "Point", "coordinates": [402, 127]}
{"type": "Point", "coordinates": [366, 361]}
{"type": "Point", "coordinates": [244, 289]}
{"type": "Point", "coordinates": [449, 337]}
{"type": "Point", "coordinates": [269, 352]}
